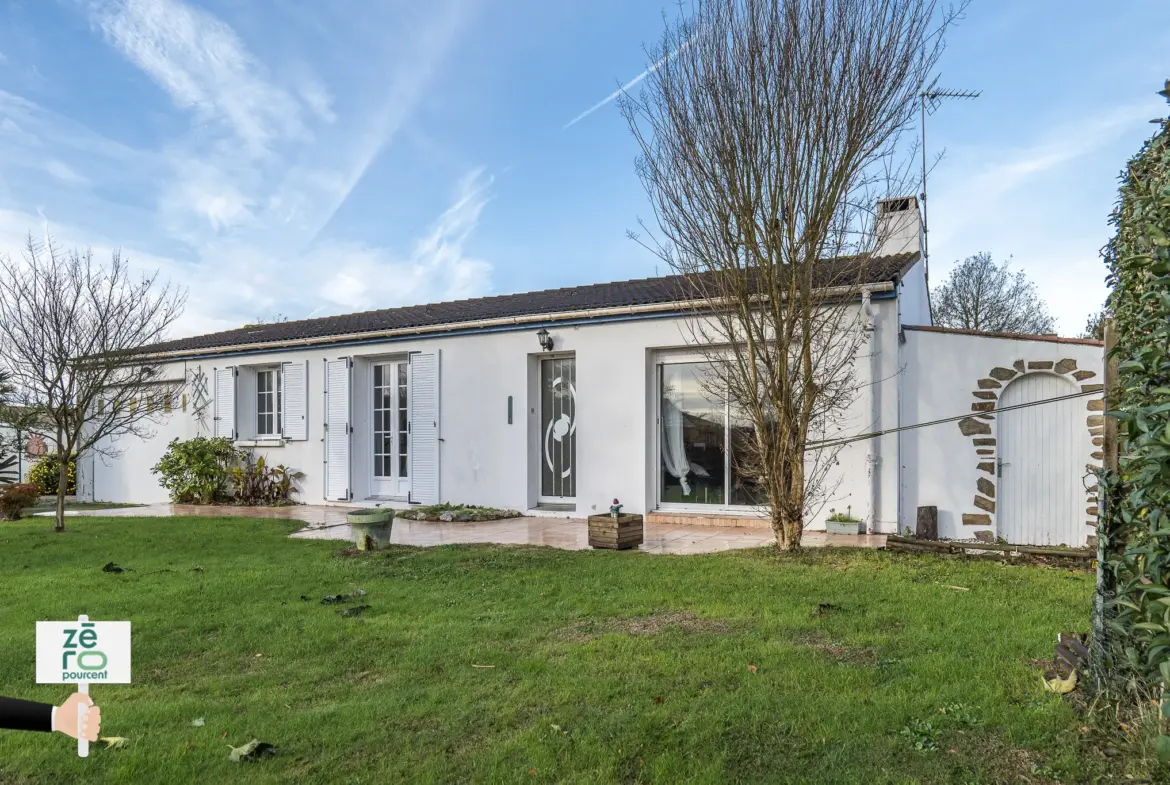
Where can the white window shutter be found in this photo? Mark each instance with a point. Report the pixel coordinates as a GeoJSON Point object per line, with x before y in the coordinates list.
{"type": "Point", "coordinates": [225, 403]}
{"type": "Point", "coordinates": [424, 428]}
{"type": "Point", "coordinates": [294, 394]}
{"type": "Point", "coordinates": [337, 429]}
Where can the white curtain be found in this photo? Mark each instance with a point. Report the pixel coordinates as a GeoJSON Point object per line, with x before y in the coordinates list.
{"type": "Point", "coordinates": [674, 450]}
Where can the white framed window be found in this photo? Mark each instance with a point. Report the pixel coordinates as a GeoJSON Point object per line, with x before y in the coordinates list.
{"type": "Point", "coordinates": [268, 402]}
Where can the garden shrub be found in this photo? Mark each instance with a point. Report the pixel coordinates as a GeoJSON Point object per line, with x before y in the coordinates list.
{"type": "Point", "coordinates": [15, 497]}
{"type": "Point", "coordinates": [43, 474]}
{"type": "Point", "coordinates": [198, 470]}
{"type": "Point", "coordinates": [255, 482]}
{"type": "Point", "coordinates": [1135, 530]}
{"type": "Point", "coordinates": [206, 470]}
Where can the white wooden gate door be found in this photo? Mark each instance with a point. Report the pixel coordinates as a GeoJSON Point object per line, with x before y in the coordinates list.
{"type": "Point", "coordinates": [1041, 463]}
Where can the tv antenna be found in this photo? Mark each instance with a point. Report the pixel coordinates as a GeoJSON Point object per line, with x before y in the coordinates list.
{"type": "Point", "coordinates": [929, 100]}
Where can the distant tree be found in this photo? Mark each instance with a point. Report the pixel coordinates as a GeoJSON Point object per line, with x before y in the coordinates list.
{"type": "Point", "coordinates": [68, 328]}
{"type": "Point", "coordinates": [982, 295]}
{"type": "Point", "coordinates": [1095, 324]}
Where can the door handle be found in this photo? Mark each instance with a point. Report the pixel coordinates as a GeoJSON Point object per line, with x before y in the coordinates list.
{"type": "Point", "coordinates": [999, 468]}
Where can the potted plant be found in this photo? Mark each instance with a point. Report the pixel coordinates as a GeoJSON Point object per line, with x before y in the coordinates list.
{"type": "Point", "coordinates": [615, 531]}
{"type": "Point", "coordinates": [371, 528]}
{"type": "Point", "coordinates": [842, 522]}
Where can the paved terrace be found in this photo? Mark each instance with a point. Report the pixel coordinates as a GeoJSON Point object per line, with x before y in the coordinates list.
{"type": "Point", "coordinates": [571, 534]}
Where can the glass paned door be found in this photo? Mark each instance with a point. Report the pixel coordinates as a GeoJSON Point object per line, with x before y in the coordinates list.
{"type": "Point", "coordinates": [558, 427]}
{"type": "Point", "coordinates": [693, 424]}
{"type": "Point", "coordinates": [700, 439]}
{"type": "Point", "coordinates": [391, 434]}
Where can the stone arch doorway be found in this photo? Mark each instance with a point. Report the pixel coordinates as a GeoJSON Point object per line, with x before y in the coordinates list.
{"type": "Point", "coordinates": [982, 519]}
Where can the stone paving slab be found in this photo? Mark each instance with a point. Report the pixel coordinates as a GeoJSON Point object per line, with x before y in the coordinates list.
{"type": "Point", "coordinates": [327, 522]}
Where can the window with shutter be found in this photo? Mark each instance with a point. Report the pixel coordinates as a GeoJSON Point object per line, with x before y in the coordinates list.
{"type": "Point", "coordinates": [424, 428]}
{"type": "Point", "coordinates": [225, 403]}
{"type": "Point", "coordinates": [294, 380]}
{"type": "Point", "coordinates": [337, 423]}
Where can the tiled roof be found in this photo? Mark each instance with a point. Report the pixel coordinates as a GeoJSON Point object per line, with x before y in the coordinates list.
{"type": "Point", "coordinates": [645, 291]}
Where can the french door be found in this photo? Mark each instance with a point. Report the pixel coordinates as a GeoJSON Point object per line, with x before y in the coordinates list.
{"type": "Point", "coordinates": [558, 428]}
{"type": "Point", "coordinates": [391, 437]}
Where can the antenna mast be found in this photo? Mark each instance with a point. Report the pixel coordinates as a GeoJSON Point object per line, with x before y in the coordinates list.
{"type": "Point", "coordinates": [929, 100]}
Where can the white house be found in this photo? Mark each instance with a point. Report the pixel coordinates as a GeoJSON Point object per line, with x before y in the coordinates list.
{"type": "Point", "coordinates": [556, 402]}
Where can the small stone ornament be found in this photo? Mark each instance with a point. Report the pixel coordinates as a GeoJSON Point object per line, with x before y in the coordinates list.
{"type": "Point", "coordinates": [615, 509]}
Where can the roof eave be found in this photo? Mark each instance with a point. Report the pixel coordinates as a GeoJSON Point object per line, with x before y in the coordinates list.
{"type": "Point", "coordinates": [372, 335]}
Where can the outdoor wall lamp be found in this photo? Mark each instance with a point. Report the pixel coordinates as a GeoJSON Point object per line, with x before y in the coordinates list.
{"type": "Point", "coordinates": [546, 341]}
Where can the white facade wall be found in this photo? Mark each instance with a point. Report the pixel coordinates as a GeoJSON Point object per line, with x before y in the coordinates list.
{"type": "Point", "coordinates": [940, 465]}
{"type": "Point", "coordinates": [484, 460]}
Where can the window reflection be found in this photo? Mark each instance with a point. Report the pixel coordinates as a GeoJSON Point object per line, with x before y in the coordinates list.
{"type": "Point", "coordinates": [695, 430]}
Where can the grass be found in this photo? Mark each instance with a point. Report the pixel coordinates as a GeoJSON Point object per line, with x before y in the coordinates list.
{"type": "Point", "coordinates": [834, 666]}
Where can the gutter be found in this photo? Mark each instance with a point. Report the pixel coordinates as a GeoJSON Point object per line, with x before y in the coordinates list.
{"type": "Point", "coordinates": [506, 321]}
{"type": "Point", "coordinates": [873, 458]}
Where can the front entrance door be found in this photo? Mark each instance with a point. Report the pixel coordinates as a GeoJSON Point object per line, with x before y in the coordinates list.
{"type": "Point", "coordinates": [558, 428]}
{"type": "Point", "coordinates": [391, 431]}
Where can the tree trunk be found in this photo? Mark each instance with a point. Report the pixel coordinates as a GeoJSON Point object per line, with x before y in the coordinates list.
{"type": "Point", "coordinates": [788, 509]}
{"type": "Point", "coordinates": [62, 487]}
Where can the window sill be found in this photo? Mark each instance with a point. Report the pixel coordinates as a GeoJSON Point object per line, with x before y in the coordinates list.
{"type": "Point", "coordinates": [276, 442]}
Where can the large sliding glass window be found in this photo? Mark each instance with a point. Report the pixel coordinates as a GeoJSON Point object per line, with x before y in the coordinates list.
{"type": "Point", "coordinates": [700, 438]}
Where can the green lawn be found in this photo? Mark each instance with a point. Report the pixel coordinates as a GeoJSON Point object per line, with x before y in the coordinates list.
{"type": "Point", "coordinates": [607, 666]}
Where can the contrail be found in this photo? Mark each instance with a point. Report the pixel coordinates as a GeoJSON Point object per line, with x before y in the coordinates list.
{"type": "Point", "coordinates": [616, 93]}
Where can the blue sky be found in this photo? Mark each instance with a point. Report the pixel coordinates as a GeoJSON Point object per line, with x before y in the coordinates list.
{"type": "Point", "coordinates": [307, 158]}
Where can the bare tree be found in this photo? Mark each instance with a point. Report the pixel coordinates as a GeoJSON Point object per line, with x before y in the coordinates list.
{"type": "Point", "coordinates": [981, 295]}
{"type": "Point", "coordinates": [767, 131]}
{"type": "Point", "coordinates": [67, 329]}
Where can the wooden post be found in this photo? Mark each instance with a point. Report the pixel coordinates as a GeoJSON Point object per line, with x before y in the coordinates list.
{"type": "Point", "coordinates": [1105, 588]}
{"type": "Point", "coordinates": [927, 528]}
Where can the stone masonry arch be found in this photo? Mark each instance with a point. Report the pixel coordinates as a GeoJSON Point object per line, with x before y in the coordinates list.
{"type": "Point", "coordinates": [978, 427]}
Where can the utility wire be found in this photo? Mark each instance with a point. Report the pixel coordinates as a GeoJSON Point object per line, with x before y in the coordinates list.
{"type": "Point", "coordinates": [862, 437]}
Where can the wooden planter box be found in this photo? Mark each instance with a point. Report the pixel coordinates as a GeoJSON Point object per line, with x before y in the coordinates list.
{"type": "Point", "coordinates": [620, 533]}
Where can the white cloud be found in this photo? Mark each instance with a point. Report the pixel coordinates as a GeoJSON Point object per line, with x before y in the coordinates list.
{"type": "Point", "coordinates": [317, 98]}
{"type": "Point", "coordinates": [202, 64]}
{"type": "Point", "coordinates": [437, 268]}
{"type": "Point", "coordinates": [64, 173]}
{"type": "Point", "coordinates": [234, 206]}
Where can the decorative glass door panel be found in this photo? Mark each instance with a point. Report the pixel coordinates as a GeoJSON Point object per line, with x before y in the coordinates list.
{"type": "Point", "coordinates": [558, 427]}
{"type": "Point", "coordinates": [391, 468]}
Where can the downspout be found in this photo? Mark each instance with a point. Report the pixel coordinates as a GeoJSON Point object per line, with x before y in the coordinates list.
{"type": "Point", "coordinates": [873, 460]}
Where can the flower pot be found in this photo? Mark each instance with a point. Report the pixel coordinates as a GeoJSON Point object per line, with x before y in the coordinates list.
{"type": "Point", "coordinates": [615, 533]}
{"type": "Point", "coordinates": [843, 527]}
{"type": "Point", "coordinates": [371, 528]}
